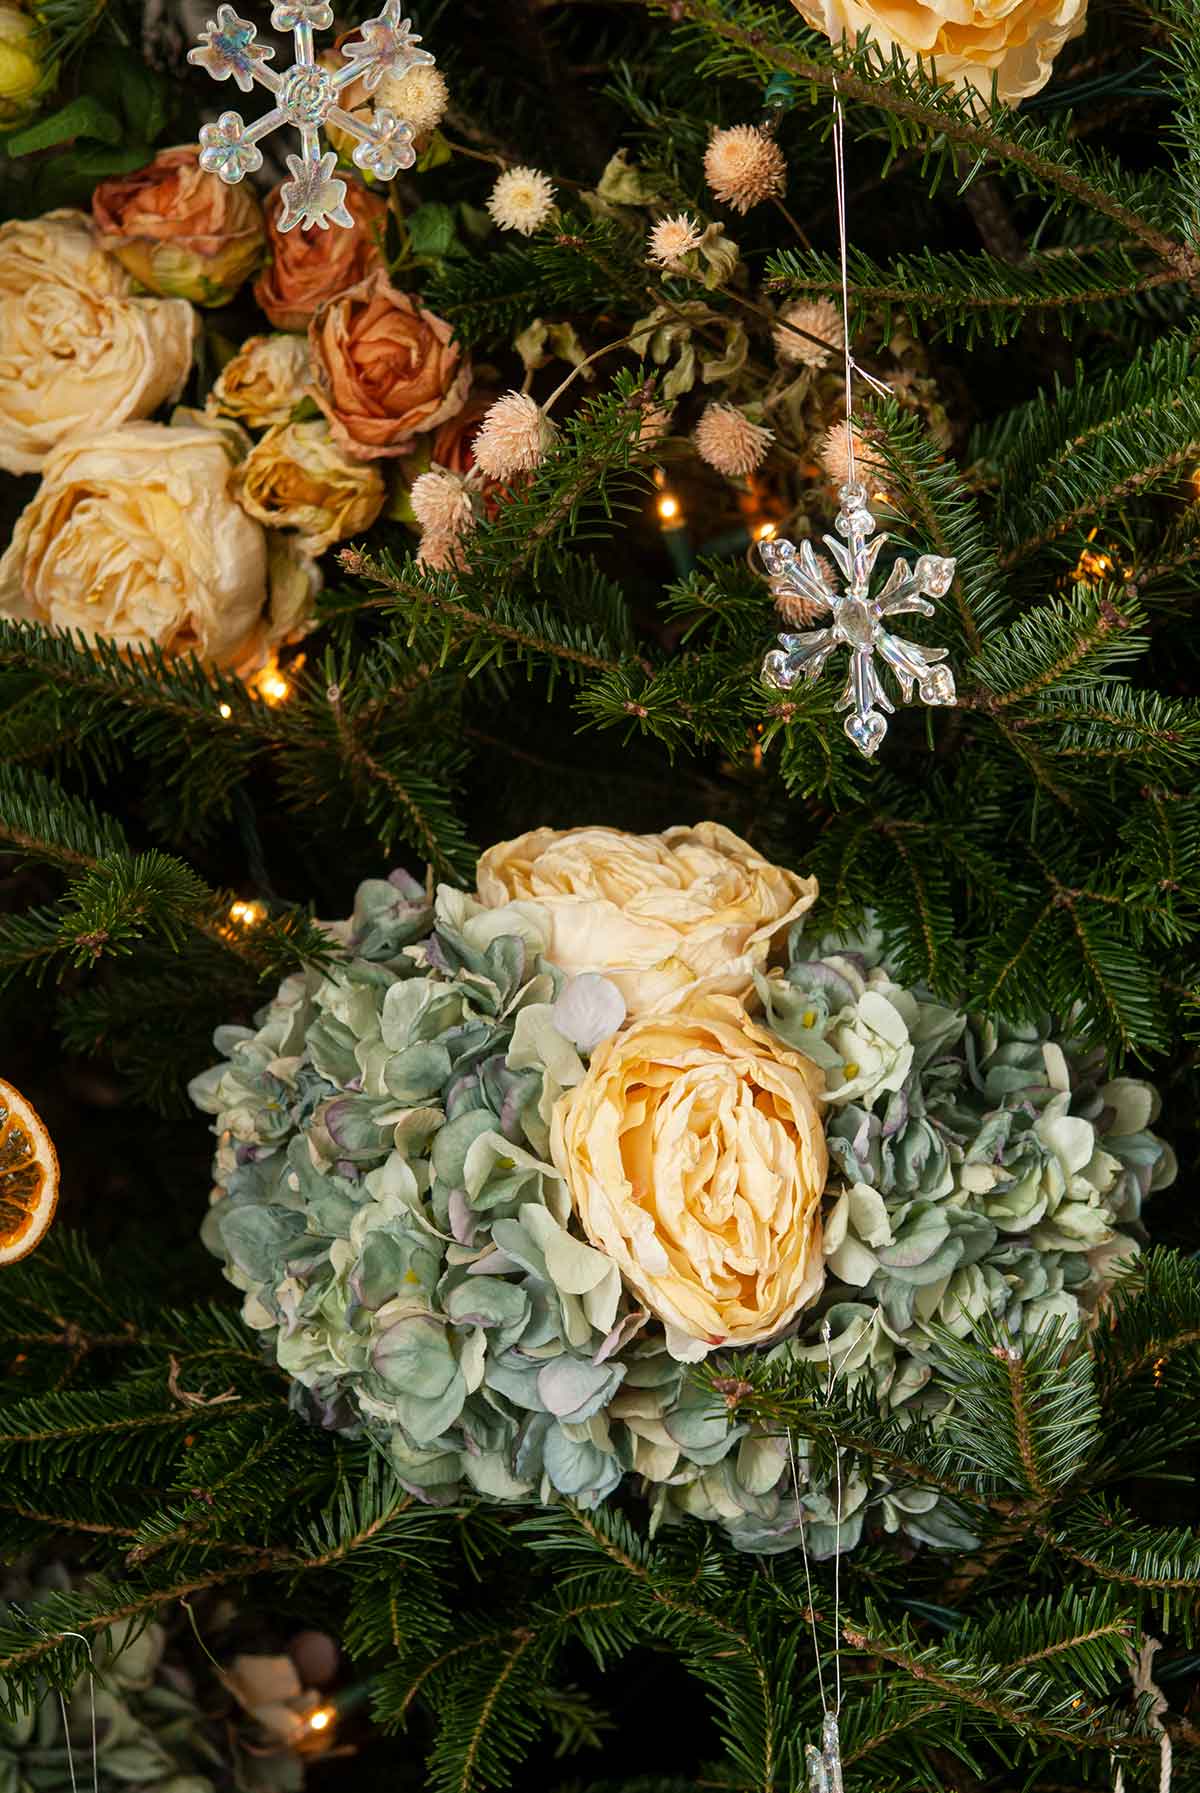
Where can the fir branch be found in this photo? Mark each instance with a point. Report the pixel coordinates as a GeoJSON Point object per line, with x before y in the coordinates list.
{"type": "Point", "coordinates": [972, 294]}
{"type": "Point", "coordinates": [926, 113]}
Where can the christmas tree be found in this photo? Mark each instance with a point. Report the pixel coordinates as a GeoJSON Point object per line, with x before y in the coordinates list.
{"type": "Point", "coordinates": [517, 457]}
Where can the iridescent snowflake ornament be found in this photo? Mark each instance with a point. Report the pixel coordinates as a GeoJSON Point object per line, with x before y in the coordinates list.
{"type": "Point", "coordinates": [307, 96]}
{"type": "Point", "coordinates": [859, 621]}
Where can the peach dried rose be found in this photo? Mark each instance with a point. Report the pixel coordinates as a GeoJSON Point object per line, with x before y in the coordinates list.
{"type": "Point", "coordinates": [660, 915]}
{"type": "Point", "coordinates": [309, 266]}
{"type": "Point", "coordinates": [385, 368]}
{"type": "Point", "coordinates": [135, 535]}
{"type": "Point", "coordinates": [297, 478]}
{"type": "Point", "coordinates": [77, 353]}
{"type": "Point", "coordinates": [179, 231]}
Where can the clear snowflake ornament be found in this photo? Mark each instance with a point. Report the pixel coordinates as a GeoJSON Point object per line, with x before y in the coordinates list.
{"type": "Point", "coordinates": [858, 621]}
{"type": "Point", "coordinates": [306, 97]}
{"type": "Point", "coordinates": [825, 1764]}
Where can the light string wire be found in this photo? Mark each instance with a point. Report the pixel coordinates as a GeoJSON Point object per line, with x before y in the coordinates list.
{"type": "Point", "coordinates": [62, 1701]}
{"type": "Point", "coordinates": [852, 366]}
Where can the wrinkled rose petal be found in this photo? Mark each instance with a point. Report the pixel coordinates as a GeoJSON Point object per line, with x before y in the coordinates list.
{"type": "Point", "coordinates": [77, 353]}
{"type": "Point", "coordinates": [657, 914]}
{"type": "Point", "coordinates": [297, 478]}
{"type": "Point", "coordinates": [135, 535]}
{"type": "Point", "coordinates": [180, 231]}
{"type": "Point", "coordinates": [384, 368]}
{"type": "Point", "coordinates": [970, 40]}
{"type": "Point", "coordinates": [307, 267]}
{"type": "Point", "coordinates": [695, 1157]}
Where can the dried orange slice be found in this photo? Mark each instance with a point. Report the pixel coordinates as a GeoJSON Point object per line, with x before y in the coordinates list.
{"type": "Point", "coordinates": [28, 1176]}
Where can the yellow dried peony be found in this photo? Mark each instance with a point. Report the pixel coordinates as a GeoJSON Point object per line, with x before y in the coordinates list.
{"type": "Point", "coordinates": [297, 478]}
{"type": "Point", "coordinates": [695, 1157]}
{"type": "Point", "coordinates": [968, 40]}
{"type": "Point", "coordinates": [264, 382]}
{"type": "Point", "coordinates": [661, 915]}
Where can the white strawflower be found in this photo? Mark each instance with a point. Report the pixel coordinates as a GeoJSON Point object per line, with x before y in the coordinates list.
{"type": "Point", "coordinates": [419, 96]}
{"type": "Point", "coordinates": [743, 166]}
{"type": "Point", "coordinates": [729, 441]}
{"type": "Point", "coordinates": [521, 200]}
{"type": "Point", "coordinates": [836, 463]}
{"type": "Point", "coordinates": [672, 239]}
{"type": "Point", "coordinates": [816, 317]}
{"type": "Point", "coordinates": [514, 436]}
{"type": "Point", "coordinates": [442, 503]}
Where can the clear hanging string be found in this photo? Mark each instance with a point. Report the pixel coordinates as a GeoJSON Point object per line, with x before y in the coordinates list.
{"type": "Point", "coordinates": [62, 1700]}
{"type": "Point", "coordinates": [852, 366]}
{"type": "Point", "coordinates": [825, 1764]}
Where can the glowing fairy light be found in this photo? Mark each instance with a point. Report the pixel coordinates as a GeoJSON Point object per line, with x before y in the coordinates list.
{"type": "Point", "coordinates": [246, 913]}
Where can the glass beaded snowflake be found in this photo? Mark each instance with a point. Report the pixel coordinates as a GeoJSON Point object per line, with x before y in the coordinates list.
{"type": "Point", "coordinates": [306, 96]}
{"type": "Point", "coordinates": [858, 620]}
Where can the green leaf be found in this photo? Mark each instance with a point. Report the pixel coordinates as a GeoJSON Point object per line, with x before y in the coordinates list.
{"type": "Point", "coordinates": [120, 80]}
{"type": "Point", "coordinates": [83, 117]}
{"type": "Point", "coordinates": [431, 230]}
{"type": "Point", "coordinates": [436, 151]}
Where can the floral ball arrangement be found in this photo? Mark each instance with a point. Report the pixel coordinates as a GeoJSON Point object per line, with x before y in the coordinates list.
{"type": "Point", "coordinates": [495, 1180]}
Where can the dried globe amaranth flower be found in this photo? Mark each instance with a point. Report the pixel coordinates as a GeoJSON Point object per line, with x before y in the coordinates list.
{"type": "Point", "coordinates": [522, 199]}
{"type": "Point", "coordinates": [441, 550]}
{"type": "Point", "coordinates": [835, 462]}
{"type": "Point", "coordinates": [797, 610]}
{"type": "Point", "coordinates": [799, 324]}
{"type": "Point", "coordinates": [672, 239]}
{"type": "Point", "coordinates": [743, 166]}
{"type": "Point", "coordinates": [513, 438]}
{"type": "Point", "coordinates": [441, 502]}
{"type": "Point", "coordinates": [728, 441]}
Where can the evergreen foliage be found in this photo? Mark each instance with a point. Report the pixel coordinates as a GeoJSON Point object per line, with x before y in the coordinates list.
{"type": "Point", "coordinates": [1036, 847]}
{"type": "Point", "coordinates": [163, 1442]}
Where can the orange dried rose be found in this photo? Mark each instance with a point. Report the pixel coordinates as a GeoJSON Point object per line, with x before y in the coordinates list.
{"type": "Point", "coordinates": [385, 368]}
{"type": "Point", "coordinates": [179, 231]}
{"type": "Point", "coordinates": [309, 266]}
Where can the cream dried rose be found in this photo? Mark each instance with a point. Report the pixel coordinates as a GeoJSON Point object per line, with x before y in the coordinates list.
{"type": "Point", "coordinates": [659, 914]}
{"type": "Point", "coordinates": [135, 535]}
{"type": "Point", "coordinates": [78, 354]}
{"type": "Point", "coordinates": [695, 1157]}
{"type": "Point", "coordinates": [298, 478]}
{"type": "Point", "coordinates": [969, 41]}
{"type": "Point", "coordinates": [265, 380]}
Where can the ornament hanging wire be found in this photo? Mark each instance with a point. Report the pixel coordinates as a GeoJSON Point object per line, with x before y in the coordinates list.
{"type": "Point", "coordinates": [824, 1765]}
{"type": "Point", "coordinates": [307, 95]}
{"type": "Point", "coordinates": [857, 620]}
{"type": "Point", "coordinates": [62, 1698]}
